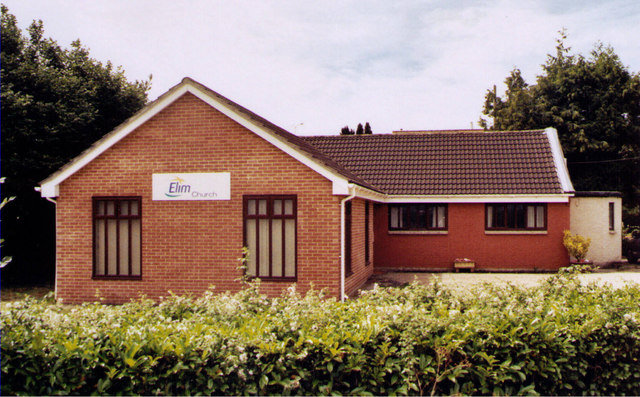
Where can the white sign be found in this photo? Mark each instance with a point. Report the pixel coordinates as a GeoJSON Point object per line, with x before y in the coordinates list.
{"type": "Point", "coordinates": [201, 186]}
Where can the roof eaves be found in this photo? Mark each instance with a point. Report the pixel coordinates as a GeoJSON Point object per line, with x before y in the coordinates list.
{"type": "Point", "coordinates": [325, 165]}
{"type": "Point", "coordinates": [49, 186]}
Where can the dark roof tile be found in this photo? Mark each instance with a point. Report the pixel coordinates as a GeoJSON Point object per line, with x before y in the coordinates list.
{"type": "Point", "coordinates": [447, 163]}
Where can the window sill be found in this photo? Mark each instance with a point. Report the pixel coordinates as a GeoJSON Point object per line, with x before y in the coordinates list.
{"type": "Point", "coordinates": [418, 232]}
{"type": "Point", "coordinates": [516, 232]}
{"type": "Point", "coordinates": [612, 232]}
{"type": "Point", "coordinates": [276, 279]}
{"type": "Point", "coordinates": [124, 278]}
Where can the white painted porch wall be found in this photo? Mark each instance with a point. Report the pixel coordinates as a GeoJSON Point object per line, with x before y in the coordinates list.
{"type": "Point", "coordinates": [590, 218]}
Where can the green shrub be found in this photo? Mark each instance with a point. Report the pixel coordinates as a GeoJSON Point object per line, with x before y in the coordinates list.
{"type": "Point", "coordinates": [577, 246]}
{"type": "Point", "coordinates": [562, 337]}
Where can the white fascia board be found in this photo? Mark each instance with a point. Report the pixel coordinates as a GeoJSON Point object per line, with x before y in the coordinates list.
{"type": "Point", "coordinates": [340, 183]}
{"type": "Point", "coordinates": [368, 194]}
{"type": "Point", "coordinates": [50, 188]}
{"type": "Point", "coordinates": [479, 198]}
{"type": "Point", "coordinates": [341, 188]}
{"type": "Point", "coordinates": [559, 159]}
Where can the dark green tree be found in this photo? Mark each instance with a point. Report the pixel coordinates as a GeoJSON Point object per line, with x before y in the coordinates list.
{"type": "Point", "coordinates": [594, 103]}
{"type": "Point", "coordinates": [360, 130]}
{"type": "Point", "coordinates": [367, 128]}
{"type": "Point", "coordinates": [55, 103]}
{"type": "Point", "coordinates": [346, 131]}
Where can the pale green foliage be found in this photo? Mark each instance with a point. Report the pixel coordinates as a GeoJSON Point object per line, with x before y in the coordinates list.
{"type": "Point", "coordinates": [560, 338]}
{"type": "Point", "coordinates": [577, 246]}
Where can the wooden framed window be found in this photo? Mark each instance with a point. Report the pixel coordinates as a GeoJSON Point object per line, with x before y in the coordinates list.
{"type": "Point", "coordinates": [347, 238]}
{"type": "Point", "coordinates": [516, 216]}
{"type": "Point", "coordinates": [612, 221]}
{"type": "Point", "coordinates": [117, 237]}
{"type": "Point", "coordinates": [367, 258]}
{"type": "Point", "coordinates": [418, 216]}
{"type": "Point", "coordinates": [270, 236]}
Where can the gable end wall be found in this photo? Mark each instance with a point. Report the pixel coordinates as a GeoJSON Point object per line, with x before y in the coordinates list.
{"type": "Point", "coordinates": [188, 246]}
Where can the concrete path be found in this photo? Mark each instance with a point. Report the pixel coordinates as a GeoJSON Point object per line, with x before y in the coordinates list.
{"type": "Point", "coordinates": [464, 280]}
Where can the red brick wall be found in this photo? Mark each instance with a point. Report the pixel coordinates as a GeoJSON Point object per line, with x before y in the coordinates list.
{"type": "Point", "coordinates": [466, 238]}
{"type": "Point", "coordinates": [361, 271]}
{"type": "Point", "coordinates": [188, 246]}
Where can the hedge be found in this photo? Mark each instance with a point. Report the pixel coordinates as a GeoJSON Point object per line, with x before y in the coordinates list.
{"type": "Point", "coordinates": [560, 338]}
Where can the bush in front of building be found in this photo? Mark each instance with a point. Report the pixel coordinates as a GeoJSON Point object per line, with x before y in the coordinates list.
{"type": "Point", "coordinates": [561, 337]}
{"type": "Point", "coordinates": [577, 246]}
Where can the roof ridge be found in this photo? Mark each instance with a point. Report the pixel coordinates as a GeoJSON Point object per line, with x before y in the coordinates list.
{"type": "Point", "coordinates": [396, 134]}
{"type": "Point", "coordinates": [491, 162]}
{"type": "Point", "coordinates": [460, 131]}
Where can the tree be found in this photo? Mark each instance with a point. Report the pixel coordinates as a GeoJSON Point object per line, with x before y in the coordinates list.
{"type": "Point", "coordinates": [367, 128]}
{"type": "Point", "coordinates": [359, 130]}
{"type": "Point", "coordinates": [594, 103]}
{"type": "Point", "coordinates": [55, 103]}
{"type": "Point", "coordinates": [6, 259]}
{"type": "Point", "coordinates": [346, 131]}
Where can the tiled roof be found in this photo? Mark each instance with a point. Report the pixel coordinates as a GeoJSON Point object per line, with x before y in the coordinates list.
{"type": "Point", "coordinates": [448, 162]}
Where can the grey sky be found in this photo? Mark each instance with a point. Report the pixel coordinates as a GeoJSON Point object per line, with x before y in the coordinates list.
{"type": "Point", "coordinates": [313, 67]}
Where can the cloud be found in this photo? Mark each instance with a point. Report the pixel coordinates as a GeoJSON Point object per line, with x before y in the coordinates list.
{"type": "Point", "coordinates": [405, 64]}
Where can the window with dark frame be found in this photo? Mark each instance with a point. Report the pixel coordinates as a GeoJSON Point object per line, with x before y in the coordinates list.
{"type": "Point", "coordinates": [516, 216]}
{"type": "Point", "coordinates": [117, 237]}
{"type": "Point", "coordinates": [612, 222]}
{"type": "Point", "coordinates": [418, 216]}
{"type": "Point", "coordinates": [367, 258]}
{"type": "Point", "coordinates": [347, 238]}
{"type": "Point", "coordinates": [270, 236]}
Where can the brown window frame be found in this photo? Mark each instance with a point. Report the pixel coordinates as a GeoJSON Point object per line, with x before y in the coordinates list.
{"type": "Point", "coordinates": [428, 208]}
{"type": "Point", "coordinates": [348, 235]}
{"type": "Point", "coordinates": [271, 216]}
{"type": "Point", "coordinates": [504, 226]}
{"type": "Point", "coordinates": [367, 254]}
{"type": "Point", "coordinates": [612, 221]}
{"type": "Point", "coordinates": [117, 216]}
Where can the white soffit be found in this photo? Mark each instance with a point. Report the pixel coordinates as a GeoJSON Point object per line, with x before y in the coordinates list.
{"type": "Point", "coordinates": [368, 194]}
{"type": "Point", "coordinates": [473, 198]}
{"type": "Point", "coordinates": [50, 186]}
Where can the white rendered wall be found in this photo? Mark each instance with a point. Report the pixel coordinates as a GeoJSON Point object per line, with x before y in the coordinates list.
{"type": "Point", "coordinates": [590, 218]}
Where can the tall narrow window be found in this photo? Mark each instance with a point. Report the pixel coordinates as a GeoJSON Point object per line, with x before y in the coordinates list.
{"type": "Point", "coordinates": [117, 237]}
{"type": "Point", "coordinates": [612, 222]}
{"type": "Point", "coordinates": [367, 258]}
{"type": "Point", "coordinates": [270, 236]}
{"type": "Point", "coordinates": [347, 238]}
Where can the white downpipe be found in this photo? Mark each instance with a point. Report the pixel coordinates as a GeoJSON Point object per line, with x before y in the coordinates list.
{"type": "Point", "coordinates": [55, 274]}
{"type": "Point", "coordinates": [352, 194]}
